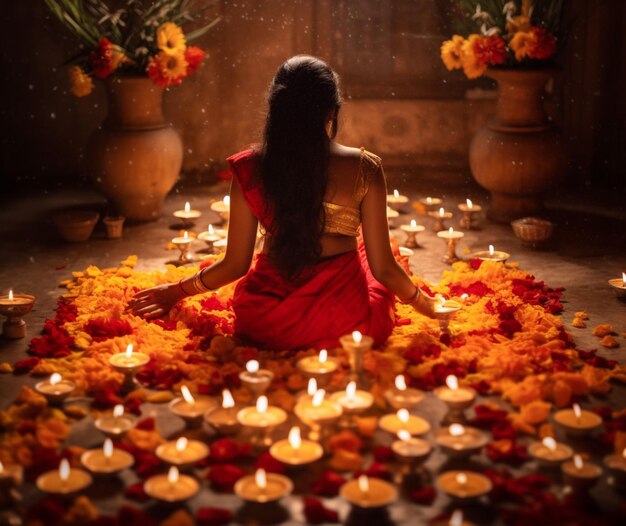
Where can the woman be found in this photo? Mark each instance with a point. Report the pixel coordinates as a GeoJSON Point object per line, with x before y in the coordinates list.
{"type": "Point", "coordinates": [312, 282]}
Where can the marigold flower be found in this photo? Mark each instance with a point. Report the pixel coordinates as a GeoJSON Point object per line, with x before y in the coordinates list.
{"type": "Point", "coordinates": [170, 39]}
{"type": "Point", "coordinates": [167, 70]}
{"type": "Point", "coordinates": [451, 51]}
{"type": "Point", "coordinates": [194, 57]}
{"type": "Point", "coordinates": [490, 50]}
{"type": "Point", "coordinates": [472, 66]}
{"type": "Point", "coordinates": [106, 58]}
{"type": "Point", "coordinates": [523, 44]}
{"type": "Point", "coordinates": [81, 84]}
{"type": "Point", "coordinates": [545, 45]}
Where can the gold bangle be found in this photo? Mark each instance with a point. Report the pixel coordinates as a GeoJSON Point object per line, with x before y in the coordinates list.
{"type": "Point", "coordinates": [199, 284]}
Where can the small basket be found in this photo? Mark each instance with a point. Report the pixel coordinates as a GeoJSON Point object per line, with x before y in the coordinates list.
{"type": "Point", "coordinates": [532, 231]}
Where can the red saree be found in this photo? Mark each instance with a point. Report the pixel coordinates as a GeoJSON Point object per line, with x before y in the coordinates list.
{"type": "Point", "coordinates": [334, 297]}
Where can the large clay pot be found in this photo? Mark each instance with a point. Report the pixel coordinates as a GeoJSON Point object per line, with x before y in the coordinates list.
{"type": "Point", "coordinates": [520, 154]}
{"type": "Point", "coordinates": [135, 157]}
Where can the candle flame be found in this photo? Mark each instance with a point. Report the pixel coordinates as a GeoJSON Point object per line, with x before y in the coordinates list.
{"type": "Point", "coordinates": [10, 294]}
{"type": "Point", "coordinates": [400, 382]}
{"type": "Point", "coordinates": [357, 337]}
{"type": "Point", "coordinates": [323, 356]}
{"type": "Point", "coordinates": [452, 382]}
{"type": "Point", "coordinates": [172, 475]}
{"type": "Point", "coordinates": [396, 194]}
{"type": "Point", "coordinates": [1, 467]}
{"type": "Point", "coordinates": [577, 411]}
{"type": "Point", "coordinates": [64, 470]}
{"type": "Point", "coordinates": [227, 399]}
{"type": "Point", "coordinates": [318, 398]}
{"type": "Point", "coordinates": [227, 200]}
{"type": "Point", "coordinates": [549, 443]}
{"type": "Point", "coordinates": [295, 440]}
{"type": "Point", "coordinates": [187, 207]}
{"type": "Point", "coordinates": [118, 410]}
{"type": "Point", "coordinates": [456, 430]}
{"type": "Point", "coordinates": [252, 366]}
{"type": "Point", "coordinates": [261, 404]}
{"type": "Point", "coordinates": [364, 484]}
{"type": "Point", "coordinates": [491, 250]}
{"type": "Point", "coordinates": [578, 462]}
{"type": "Point", "coordinates": [461, 478]}
{"type": "Point", "coordinates": [351, 391]}
{"type": "Point", "coordinates": [624, 453]}
{"type": "Point", "coordinates": [311, 388]}
{"type": "Point", "coordinates": [450, 230]}
{"type": "Point", "coordinates": [55, 378]}
{"type": "Point", "coordinates": [107, 448]}
{"type": "Point", "coordinates": [403, 415]}
{"type": "Point", "coordinates": [413, 223]}
{"type": "Point", "coordinates": [260, 478]}
{"type": "Point", "coordinates": [404, 435]}
{"type": "Point", "coordinates": [129, 350]}
{"type": "Point", "coordinates": [429, 200]}
{"type": "Point", "coordinates": [181, 444]}
{"type": "Point", "coordinates": [456, 519]}
{"type": "Point", "coordinates": [187, 395]}
{"type": "Point", "coordinates": [469, 203]}
{"type": "Point", "coordinates": [441, 212]}
{"type": "Point", "coordinates": [211, 230]}
{"type": "Point", "coordinates": [623, 278]}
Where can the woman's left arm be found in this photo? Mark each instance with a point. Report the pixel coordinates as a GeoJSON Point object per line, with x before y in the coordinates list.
{"type": "Point", "coordinates": [242, 229]}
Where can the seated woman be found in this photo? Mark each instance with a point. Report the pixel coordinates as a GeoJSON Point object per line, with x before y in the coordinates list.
{"type": "Point", "coordinates": [312, 282]}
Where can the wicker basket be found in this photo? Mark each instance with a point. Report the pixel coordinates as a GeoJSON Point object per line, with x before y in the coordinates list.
{"type": "Point", "coordinates": [533, 231]}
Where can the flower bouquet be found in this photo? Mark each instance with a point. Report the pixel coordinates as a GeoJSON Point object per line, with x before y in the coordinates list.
{"type": "Point", "coordinates": [141, 38]}
{"type": "Point", "coordinates": [513, 34]}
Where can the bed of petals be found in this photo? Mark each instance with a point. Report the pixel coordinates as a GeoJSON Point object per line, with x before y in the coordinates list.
{"type": "Point", "coordinates": [508, 340]}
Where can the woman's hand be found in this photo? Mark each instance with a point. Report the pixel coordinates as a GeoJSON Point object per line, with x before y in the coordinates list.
{"type": "Point", "coordinates": [425, 304]}
{"type": "Point", "coordinates": [156, 301]}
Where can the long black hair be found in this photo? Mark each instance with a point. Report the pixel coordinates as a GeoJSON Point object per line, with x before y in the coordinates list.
{"type": "Point", "coordinates": [295, 155]}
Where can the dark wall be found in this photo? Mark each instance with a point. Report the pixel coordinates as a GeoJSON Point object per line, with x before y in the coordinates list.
{"type": "Point", "coordinates": [409, 110]}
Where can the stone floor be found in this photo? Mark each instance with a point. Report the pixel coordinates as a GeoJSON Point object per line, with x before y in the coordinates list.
{"type": "Point", "coordinates": [589, 248]}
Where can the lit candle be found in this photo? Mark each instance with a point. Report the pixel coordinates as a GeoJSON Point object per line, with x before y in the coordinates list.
{"type": "Point", "coordinates": [464, 485]}
{"type": "Point", "coordinates": [577, 422]}
{"type": "Point", "coordinates": [318, 409]}
{"type": "Point", "coordinates": [456, 398]}
{"type": "Point", "coordinates": [430, 203]}
{"type": "Point", "coordinates": [365, 492]}
{"type": "Point", "coordinates": [395, 422]}
{"type": "Point", "coordinates": [619, 285]}
{"type": "Point", "coordinates": [262, 415]}
{"type": "Point", "coordinates": [410, 449]}
{"type": "Point", "coordinates": [401, 396]}
{"type": "Point", "coordinates": [492, 254]}
{"type": "Point", "coordinates": [263, 487]}
{"type": "Point", "coordinates": [209, 236]}
{"type": "Point", "coordinates": [64, 481]}
{"type": "Point", "coordinates": [459, 441]}
{"type": "Point", "coordinates": [412, 229]}
{"type": "Point", "coordinates": [580, 475]}
{"type": "Point", "coordinates": [172, 487]}
{"type": "Point", "coordinates": [128, 362]}
{"type": "Point", "coordinates": [444, 308]}
{"type": "Point", "coordinates": [295, 451]}
{"type": "Point", "coordinates": [319, 367]}
{"type": "Point", "coordinates": [352, 400]}
{"type": "Point", "coordinates": [191, 409]}
{"type": "Point", "coordinates": [549, 452]}
{"type": "Point", "coordinates": [470, 213]}
{"type": "Point", "coordinates": [222, 207]}
{"type": "Point", "coordinates": [224, 419]}
{"type": "Point", "coordinates": [56, 388]}
{"type": "Point", "coordinates": [106, 461]}
{"type": "Point", "coordinates": [116, 425]}
{"type": "Point", "coordinates": [182, 452]}
{"type": "Point", "coordinates": [187, 214]}
{"type": "Point", "coordinates": [396, 199]}
{"type": "Point", "coordinates": [182, 243]}
{"type": "Point", "coordinates": [255, 379]}
{"type": "Point", "coordinates": [13, 307]}
{"type": "Point", "coordinates": [356, 345]}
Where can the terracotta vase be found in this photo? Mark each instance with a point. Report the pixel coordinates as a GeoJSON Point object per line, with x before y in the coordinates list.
{"type": "Point", "coordinates": [520, 154]}
{"type": "Point", "coordinates": [135, 157]}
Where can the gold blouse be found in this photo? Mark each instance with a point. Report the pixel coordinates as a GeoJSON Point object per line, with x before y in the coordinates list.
{"type": "Point", "coordinates": [345, 220]}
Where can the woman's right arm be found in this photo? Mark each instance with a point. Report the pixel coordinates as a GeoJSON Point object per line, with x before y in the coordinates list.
{"type": "Point", "coordinates": [242, 229]}
{"type": "Point", "coordinates": [381, 260]}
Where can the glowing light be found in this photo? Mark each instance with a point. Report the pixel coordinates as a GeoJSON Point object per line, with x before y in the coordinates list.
{"type": "Point", "coordinates": [442, 212]}
{"type": "Point", "coordinates": [172, 475]}
{"type": "Point", "coordinates": [10, 294]}
{"type": "Point", "coordinates": [413, 223]}
{"type": "Point", "coordinates": [549, 443]}
{"type": "Point", "coordinates": [118, 411]}
{"type": "Point", "coordinates": [351, 391]}
{"type": "Point", "coordinates": [578, 462]}
{"type": "Point", "coordinates": [624, 453]}
{"type": "Point", "coordinates": [456, 430]}
{"type": "Point", "coordinates": [452, 382]}
{"type": "Point", "coordinates": [491, 250]}
{"type": "Point", "coordinates": [469, 203]}
{"type": "Point", "coordinates": [404, 435]}
{"type": "Point", "coordinates": [311, 388]}
{"type": "Point", "coordinates": [323, 356]}
{"type": "Point", "coordinates": [261, 404]}
{"type": "Point", "coordinates": [400, 382]}
{"type": "Point", "coordinates": [464, 296]}
{"type": "Point", "coordinates": [403, 415]}
{"type": "Point", "coordinates": [107, 448]}
{"type": "Point", "coordinates": [295, 440]}
{"type": "Point", "coordinates": [260, 478]}
{"type": "Point", "coordinates": [187, 207]}
{"type": "Point", "coordinates": [577, 412]}
{"type": "Point", "coordinates": [1, 467]}
{"type": "Point", "coordinates": [318, 398]}
{"type": "Point", "coordinates": [55, 378]}
{"type": "Point", "coordinates": [450, 230]}
{"type": "Point", "coordinates": [357, 337]}
{"type": "Point", "coordinates": [429, 200]}
{"type": "Point", "coordinates": [186, 235]}
{"type": "Point", "coordinates": [181, 444]}
{"type": "Point", "coordinates": [227, 399]}
{"type": "Point", "coordinates": [187, 395]}
{"type": "Point", "coordinates": [456, 519]}
{"type": "Point", "coordinates": [623, 279]}
{"type": "Point", "coordinates": [364, 484]}
{"type": "Point", "coordinates": [211, 230]}
{"type": "Point", "coordinates": [129, 350]}
{"type": "Point", "coordinates": [64, 470]}
{"type": "Point", "coordinates": [227, 200]}
{"type": "Point", "coordinates": [396, 194]}
{"type": "Point", "coordinates": [461, 478]}
{"type": "Point", "coordinates": [252, 366]}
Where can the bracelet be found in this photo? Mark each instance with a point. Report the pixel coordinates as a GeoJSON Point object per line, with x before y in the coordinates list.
{"type": "Point", "coordinates": [412, 299]}
{"type": "Point", "coordinates": [199, 284]}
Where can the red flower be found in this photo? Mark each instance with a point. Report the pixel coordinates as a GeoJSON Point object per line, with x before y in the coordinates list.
{"type": "Point", "coordinates": [104, 328]}
{"type": "Point", "coordinates": [506, 450]}
{"type": "Point", "coordinates": [424, 496]}
{"type": "Point", "coordinates": [376, 470]}
{"type": "Point", "coordinates": [490, 50]}
{"type": "Point", "coordinates": [383, 453]}
{"type": "Point", "coordinates": [545, 45]}
{"type": "Point", "coordinates": [316, 513]}
{"type": "Point", "coordinates": [25, 366]}
{"type": "Point", "coordinates": [134, 516]}
{"type": "Point", "coordinates": [213, 517]}
{"type": "Point", "coordinates": [105, 398]}
{"type": "Point", "coordinates": [269, 464]}
{"type": "Point", "coordinates": [224, 476]}
{"type": "Point", "coordinates": [136, 492]}
{"type": "Point", "coordinates": [328, 484]}
{"type": "Point", "coordinates": [194, 57]}
{"type": "Point", "coordinates": [49, 510]}
{"type": "Point", "coordinates": [225, 450]}
{"type": "Point", "coordinates": [101, 59]}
